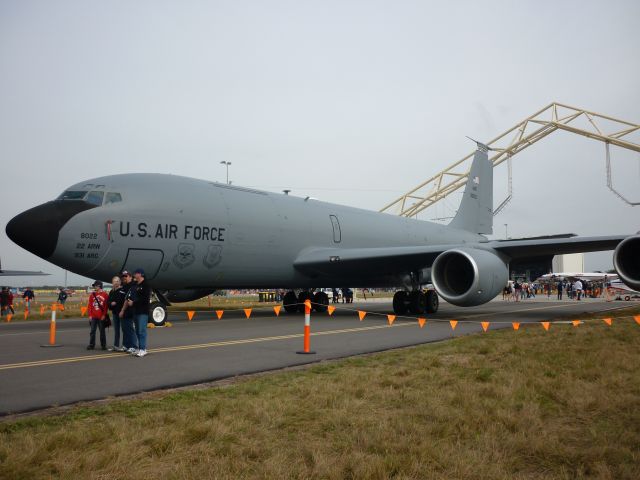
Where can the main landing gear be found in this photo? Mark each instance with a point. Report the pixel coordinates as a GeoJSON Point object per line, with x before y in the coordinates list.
{"type": "Point", "coordinates": [416, 302]}
{"type": "Point", "coordinates": [293, 303]}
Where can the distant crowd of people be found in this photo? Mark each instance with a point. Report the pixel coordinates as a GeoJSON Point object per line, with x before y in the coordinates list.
{"type": "Point", "coordinates": [346, 294]}
{"type": "Point", "coordinates": [6, 300]}
{"type": "Point", "coordinates": [128, 302]}
{"type": "Point", "coordinates": [578, 289]}
{"type": "Point", "coordinates": [519, 291]}
{"type": "Point", "coordinates": [28, 295]}
{"type": "Point", "coordinates": [574, 289]}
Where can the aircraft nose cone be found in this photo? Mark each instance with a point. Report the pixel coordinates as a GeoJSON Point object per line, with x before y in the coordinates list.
{"type": "Point", "coordinates": [37, 229]}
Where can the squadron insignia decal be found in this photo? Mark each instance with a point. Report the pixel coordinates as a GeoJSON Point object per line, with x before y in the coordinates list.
{"type": "Point", "coordinates": [213, 256]}
{"type": "Point", "coordinates": [185, 255]}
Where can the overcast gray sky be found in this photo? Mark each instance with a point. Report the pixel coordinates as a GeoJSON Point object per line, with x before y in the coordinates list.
{"type": "Point", "coordinates": [352, 102]}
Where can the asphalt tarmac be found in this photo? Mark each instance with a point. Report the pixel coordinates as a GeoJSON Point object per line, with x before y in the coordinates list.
{"type": "Point", "coordinates": [206, 349]}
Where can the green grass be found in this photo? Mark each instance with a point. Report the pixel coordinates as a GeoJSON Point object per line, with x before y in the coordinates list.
{"type": "Point", "coordinates": [505, 404]}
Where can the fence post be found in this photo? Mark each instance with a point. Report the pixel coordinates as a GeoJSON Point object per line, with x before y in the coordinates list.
{"type": "Point", "coordinates": [307, 329]}
{"type": "Point", "coordinates": [52, 328]}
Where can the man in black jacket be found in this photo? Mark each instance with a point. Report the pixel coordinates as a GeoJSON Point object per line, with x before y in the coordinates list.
{"type": "Point", "coordinates": [129, 339]}
{"type": "Point", "coordinates": [62, 297]}
{"type": "Point", "coordinates": [139, 301]}
{"type": "Point", "coordinates": [560, 287]}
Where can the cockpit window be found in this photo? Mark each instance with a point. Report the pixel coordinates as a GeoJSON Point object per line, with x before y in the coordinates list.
{"type": "Point", "coordinates": [95, 198]}
{"type": "Point", "coordinates": [72, 195]}
{"type": "Point", "coordinates": [112, 197]}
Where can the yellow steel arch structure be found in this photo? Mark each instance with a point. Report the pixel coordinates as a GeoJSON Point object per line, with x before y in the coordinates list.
{"type": "Point", "coordinates": [555, 116]}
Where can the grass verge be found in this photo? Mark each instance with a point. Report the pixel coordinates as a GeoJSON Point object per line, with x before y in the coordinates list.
{"type": "Point", "coordinates": [507, 404]}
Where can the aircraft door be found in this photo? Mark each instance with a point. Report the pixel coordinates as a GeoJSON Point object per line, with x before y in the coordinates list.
{"type": "Point", "coordinates": [147, 259]}
{"type": "Point", "coordinates": [337, 233]}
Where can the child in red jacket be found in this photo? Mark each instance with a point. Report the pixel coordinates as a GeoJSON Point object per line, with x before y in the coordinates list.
{"type": "Point", "coordinates": [97, 308]}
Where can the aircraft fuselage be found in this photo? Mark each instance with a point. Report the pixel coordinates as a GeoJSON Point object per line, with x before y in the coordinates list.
{"type": "Point", "coordinates": [189, 233]}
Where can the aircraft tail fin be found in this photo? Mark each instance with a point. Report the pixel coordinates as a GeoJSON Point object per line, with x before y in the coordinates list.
{"type": "Point", "coordinates": [475, 213]}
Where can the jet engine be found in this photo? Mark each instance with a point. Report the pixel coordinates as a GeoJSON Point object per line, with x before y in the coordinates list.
{"type": "Point", "coordinates": [179, 296]}
{"type": "Point", "coordinates": [468, 277]}
{"type": "Point", "coordinates": [626, 260]}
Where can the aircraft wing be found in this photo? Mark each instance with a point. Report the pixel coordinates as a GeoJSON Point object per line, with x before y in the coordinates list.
{"type": "Point", "coordinates": [19, 273]}
{"type": "Point", "coordinates": [531, 248]}
{"type": "Point", "coordinates": [390, 260]}
{"type": "Point", "coordinates": [375, 261]}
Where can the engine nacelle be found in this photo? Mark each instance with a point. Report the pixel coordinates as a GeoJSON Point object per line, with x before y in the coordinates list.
{"type": "Point", "coordinates": [467, 276]}
{"type": "Point", "coordinates": [626, 260]}
{"type": "Point", "coordinates": [179, 296]}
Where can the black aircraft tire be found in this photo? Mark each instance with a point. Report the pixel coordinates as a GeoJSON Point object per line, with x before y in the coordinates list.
{"type": "Point", "coordinates": [157, 314]}
{"type": "Point", "coordinates": [289, 302]}
{"type": "Point", "coordinates": [320, 302]}
{"type": "Point", "coordinates": [302, 296]}
{"type": "Point", "coordinates": [627, 298]}
{"type": "Point", "coordinates": [400, 302]}
{"type": "Point", "coordinates": [433, 302]}
{"type": "Point", "coordinates": [417, 302]}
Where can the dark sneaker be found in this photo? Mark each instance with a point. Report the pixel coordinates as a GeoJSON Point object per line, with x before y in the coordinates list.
{"type": "Point", "coordinates": [90, 347]}
{"type": "Point", "coordinates": [104, 347]}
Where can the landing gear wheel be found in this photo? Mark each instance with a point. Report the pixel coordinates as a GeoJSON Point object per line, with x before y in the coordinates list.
{"type": "Point", "coordinates": [302, 296]}
{"type": "Point", "coordinates": [157, 314]}
{"type": "Point", "coordinates": [289, 302]}
{"type": "Point", "coordinates": [417, 302]}
{"type": "Point", "coordinates": [433, 302]}
{"type": "Point", "coordinates": [320, 302]}
{"type": "Point", "coordinates": [400, 302]}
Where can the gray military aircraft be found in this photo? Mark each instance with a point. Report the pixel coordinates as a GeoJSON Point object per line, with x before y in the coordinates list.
{"type": "Point", "coordinates": [194, 236]}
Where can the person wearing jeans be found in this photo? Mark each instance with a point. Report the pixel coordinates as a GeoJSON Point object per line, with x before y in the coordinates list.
{"type": "Point", "coordinates": [116, 300]}
{"type": "Point", "coordinates": [98, 308]}
{"type": "Point", "coordinates": [140, 303]}
{"type": "Point", "coordinates": [129, 341]}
